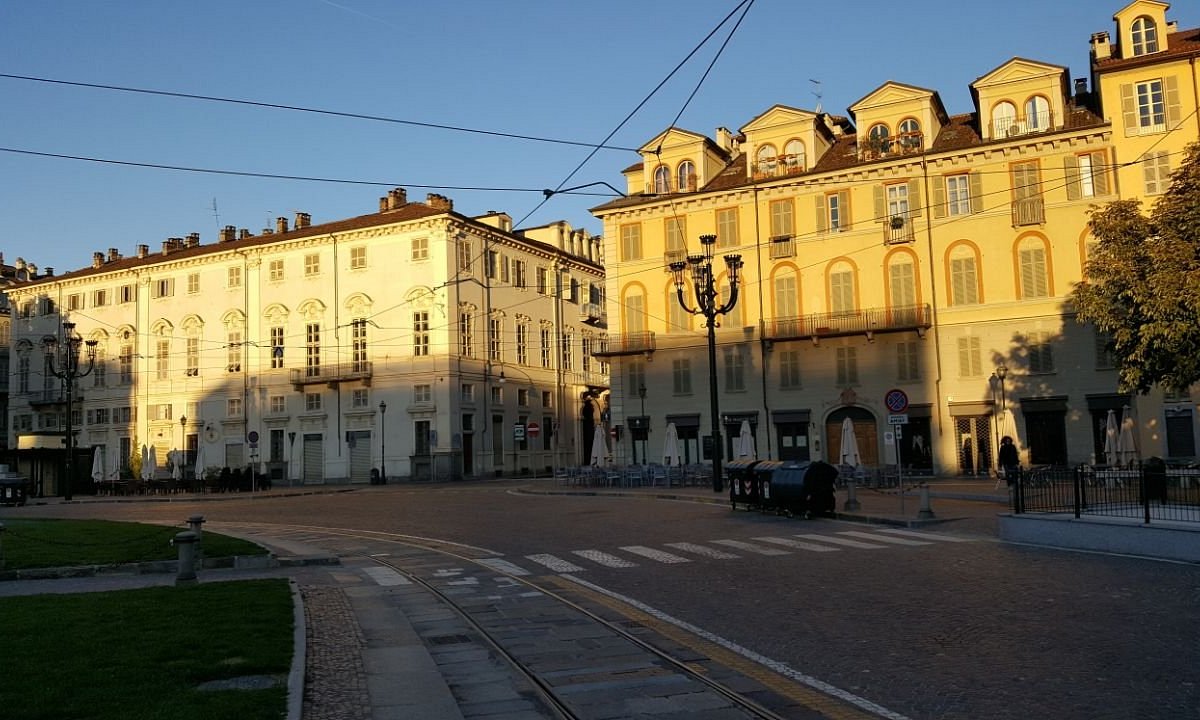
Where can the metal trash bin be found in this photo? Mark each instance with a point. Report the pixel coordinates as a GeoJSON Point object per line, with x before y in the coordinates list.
{"type": "Point", "coordinates": [14, 489]}
{"type": "Point", "coordinates": [804, 489]}
{"type": "Point", "coordinates": [1154, 480]}
{"type": "Point", "coordinates": [742, 488]}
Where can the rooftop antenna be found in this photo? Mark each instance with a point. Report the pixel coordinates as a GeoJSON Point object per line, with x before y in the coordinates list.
{"type": "Point", "coordinates": [817, 92]}
{"type": "Point", "coordinates": [216, 215]}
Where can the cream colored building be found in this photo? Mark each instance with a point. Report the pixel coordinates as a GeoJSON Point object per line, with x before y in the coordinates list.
{"type": "Point", "coordinates": [414, 339]}
{"type": "Point", "coordinates": [903, 248]}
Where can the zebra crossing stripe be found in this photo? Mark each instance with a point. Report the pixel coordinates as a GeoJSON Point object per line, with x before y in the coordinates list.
{"type": "Point", "coordinates": [750, 547]}
{"type": "Point", "coordinates": [386, 577]}
{"type": "Point", "coordinates": [660, 555]}
{"type": "Point", "coordinates": [702, 550]}
{"type": "Point", "coordinates": [504, 566]}
{"type": "Point", "coordinates": [884, 538]}
{"type": "Point", "coordinates": [925, 536]}
{"type": "Point", "coordinates": [603, 558]}
{"type": "Point", "coordinates": [798, 544]}
{"type": "Point", "coordinates": [555, 563]}
{"type": "Point", "coordinates": [842, 541]}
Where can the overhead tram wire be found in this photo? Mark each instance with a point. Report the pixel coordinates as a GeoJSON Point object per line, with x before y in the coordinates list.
{"type": "Point", "coordinates": [604, 142]}
{"type": "Point", "coordinates": [317, 111]}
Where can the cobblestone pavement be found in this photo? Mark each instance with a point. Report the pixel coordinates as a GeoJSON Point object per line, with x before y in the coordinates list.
{"type": "Point", "coordinates": [335, 686]}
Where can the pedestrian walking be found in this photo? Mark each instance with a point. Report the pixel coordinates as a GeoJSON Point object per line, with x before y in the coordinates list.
{"type": "Point", "coordinates": [1010, 461]}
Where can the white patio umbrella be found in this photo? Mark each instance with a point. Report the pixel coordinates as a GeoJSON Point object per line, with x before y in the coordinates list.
{"type": "Point", "coordinates": [198, 470]}
{"type": "Point", "coordinates": [150, 466]}
{"type": "Point", "coordinates": [98, 465]}
{"type": "Point", "coordinates": [146, 474]}
{"type": "Point", "coordinates": [599, 447]}
{"type": "Point", "coordinates": [671, 446]}
{"type": "Point", "coordinates": [176, 465]}
{"type": "Point", "coordinates": [1126, 446]}
{"type": "Point", "coordinates": [1110, 439]}
{"type": "Point", "coordinates": [745, 444]}
{"type": "Point", "coordinates": [849, 452]}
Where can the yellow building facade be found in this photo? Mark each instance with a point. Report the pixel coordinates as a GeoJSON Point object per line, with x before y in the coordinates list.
{"type": "Point", "coordinates": [902, 248]}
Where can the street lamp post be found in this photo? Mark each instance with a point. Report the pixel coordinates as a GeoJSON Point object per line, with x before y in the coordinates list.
{"type": "Point", "coordinates": [645, 425]}
{"type": "Point", "coordinates": [382, 433]}
{"type": "Point", "coordinates": [64, 364]}
{"type": "Point", "coordinates": [182, 459]}
{"type": "Point", "coordinates": [708, 304]}
{"type": "Point", "coordinates": [999, 375]}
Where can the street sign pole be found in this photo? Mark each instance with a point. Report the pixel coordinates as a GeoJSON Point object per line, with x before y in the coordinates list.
{"type": "Point", "coordinates": [896, 401]}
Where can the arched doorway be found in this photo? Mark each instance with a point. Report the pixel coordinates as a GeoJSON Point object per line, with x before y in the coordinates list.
{"type": "Point", "coordinates": [866, 431]}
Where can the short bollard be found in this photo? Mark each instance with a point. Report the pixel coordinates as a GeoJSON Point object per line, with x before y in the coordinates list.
{"type": "Point", "coordinates": [186, 542]}
{"type": "Point", "coordinates": [194, 524]}
{"type": "Point", "coordinates": [851, 497]}
{"type": "Point", "coordinates": [926, 512]}
{"type": "Point", "coordinates": [2, 529]}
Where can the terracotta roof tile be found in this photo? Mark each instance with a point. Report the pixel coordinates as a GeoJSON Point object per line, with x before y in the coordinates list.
{"type": "Point", "coordinates": [1181, 43]}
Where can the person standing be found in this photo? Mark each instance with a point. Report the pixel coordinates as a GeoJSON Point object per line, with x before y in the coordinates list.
{"type": "Point", "coordinates": [1010, 460]}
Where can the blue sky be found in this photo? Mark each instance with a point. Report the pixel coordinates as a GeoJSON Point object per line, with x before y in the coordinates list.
{"type": "Point", "coordinates": [568, 70]}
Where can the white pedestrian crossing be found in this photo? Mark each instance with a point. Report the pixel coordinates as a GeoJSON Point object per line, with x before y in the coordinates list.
{"type": "Point", "coordinates": [386, 577]}
{"type": "Point", "coordinates": [798, 544]}
{"type": "Point", "coordinates": [884, 538]}
{"type": "Point", "coordinates": [504, 566]}
{"type": "Point", "coordinates": [661, 556]}
{"type": "Point", "coordinates": [555, 563]}
{"type": "Point", "coordinates": [702, 550]}
{"type": "Point", "coordinates": [750, 547]}
{"type": "Point", "coordinates": [924, 535]}
{"type": "Point", "coordinates": [842, 541]}
{"type": "Point", "coordinates": [603, 558]}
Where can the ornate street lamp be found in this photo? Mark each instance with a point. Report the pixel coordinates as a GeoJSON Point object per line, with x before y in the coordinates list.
{"type": "Point", "coordinates": [64, 364]}
{"type": "Point", "coordinates": [999, 375]}
{"type": "Point", "coordinates": [707, 304]}
{"type": "Point", "coordinates": [645, 431]}
{"type": "Point", "coordinates": [182, 459]}
{"type": "Point", "coordinates": [382, 432]}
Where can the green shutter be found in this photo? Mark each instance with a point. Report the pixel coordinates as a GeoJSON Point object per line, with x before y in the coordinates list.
{"type": "Point", "coordinates": [880, 204]}
{"type": "Point", "coordinates": [1129, 109]}
{"type": "Point", "coordinates": [1100, 173]}
{"type": "Point", "coordinates": [1071, 173]}
{"type": "Point", "coordinates": [821, 216]}
{"type": "Point", "coordinates": [939, 198]}
{"type": "Point", "coordinates": [1171, 95]}
{"type": "Point", "coordinates": [844, 209]}
{"type": "Point", "coordinates": [914, 198]}
{"type": "Point", "coordinates": [976, 184]}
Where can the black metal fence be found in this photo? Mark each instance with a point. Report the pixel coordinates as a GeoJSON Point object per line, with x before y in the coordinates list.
{"type": "Point", "coordinates": [1149, 493]}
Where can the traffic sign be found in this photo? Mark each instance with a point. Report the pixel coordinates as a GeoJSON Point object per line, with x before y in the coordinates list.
{"type": "Point", "coordinates": [518, 432]}
{"type": "Point", "coordinates": [252, 436]}
{"type": "Point", "coordinates": [533, 429]}
{"type": "Point", "coordinates": [898, 419]}
{"type": "Point", "coordinates": [896, 400]}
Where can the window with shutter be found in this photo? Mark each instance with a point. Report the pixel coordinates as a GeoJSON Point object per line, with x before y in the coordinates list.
{"type": "Point", "coordinates": [969, 357]}
{"type": "Point", "coordinates": [964, 279]}
{"type": "Point", "coordinates": [1034, 272]}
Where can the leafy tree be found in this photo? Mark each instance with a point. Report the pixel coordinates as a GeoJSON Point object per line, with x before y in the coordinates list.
{"type": "Point", "coordinates": [1142, 283]}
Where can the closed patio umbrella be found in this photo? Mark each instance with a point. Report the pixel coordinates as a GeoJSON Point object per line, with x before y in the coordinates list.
{"type": "Point", "coordinates": [848, 455]}
{"type": "Point", "coordinates": [1126, 445]}
{"type": "Point", "coordinates": [198, 470]}
{"type": "Point", "coordinates": [98, 465]}
{"type": "Point", "coordinates": [150, 467]}
{"type": "Point", "coordinates": [745, 448]}
{"type": "Point", "coordinates": [176, 465]}
{"type": "Point", "coordinates": [1110, 439]}
{"type": "Point", "coordinates": [146, 474]}
{"type": "Point", "coordinates": [599, 448]}
{"type": "Point", "coordinates": [671, 446]}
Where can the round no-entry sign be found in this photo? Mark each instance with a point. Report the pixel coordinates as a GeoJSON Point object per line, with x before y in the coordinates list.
{"type": "Point", "coordinates": [532, 429]}
{"type": "Point", "coordinates": [896, 400]}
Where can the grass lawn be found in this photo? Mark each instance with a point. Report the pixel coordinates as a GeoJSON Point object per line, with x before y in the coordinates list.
{"type": "Point", "coordinates": [139, 654]}
{"type": "Point", "coordinates": [42, 543]}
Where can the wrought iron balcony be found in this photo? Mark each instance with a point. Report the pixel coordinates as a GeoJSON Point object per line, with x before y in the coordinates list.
{"type": "Point", "coordinates": [1007, 127]}
{"type": "Point", "coordinates": [778, 166]}
{"type": "Point", "coordinates": [38, 398]}
{"type": "Point", "coordinates": [626, 344]}
{"type": "Point", "coordinates": [854, 322]}
{"type": "Point", "coordinates": [898, 229]}
{"type": "Point", "coordinates": [1029, 211]}
{"type": "Point", "coordinates": [783, 246]}
{"type": "Point", "coordinates": [892, 146]}
{"type": "Point", "coordinates": [331, 374]}
{"type": "Point", "coordinates": [592, 313]}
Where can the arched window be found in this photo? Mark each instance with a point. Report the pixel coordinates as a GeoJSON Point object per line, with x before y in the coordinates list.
{"type": "Point", "coordinates": [1145, 36]}
{"type": "Point", "coordinates": [964, 275]}
{"type": "Point", "coordinates": [1034, 267]}
{"type": "Point", "coordinates": [635, 310]}
{"type": "Point", "coordinates": [766, 160]}
{"type": "Point", "coordinates": [1037, 113]}
{"type": "Point", "coordinates": [1004, 115]}
{"type": "Point", "coordinates": [878, 136]}
{"type": "Point", "coordinates": [686, 176]}
{"type": "Point", "coordinates": [787, 294]}
{"type": "Point", "coordinates": [910, 134]}
{"type": "Point", "coordinates": [662, 180]}
{"type": "Point", "coordinates": [841, 288]}
{"type": "Point", "coordinates": [793, 156]}
{"type": "Point", "coordinates": [678, 319]}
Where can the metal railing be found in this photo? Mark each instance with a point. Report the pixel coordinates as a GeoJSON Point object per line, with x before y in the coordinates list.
{"type": "Point", "coordinates": [1029, 211]}
{"type": "Point", "coordinates": [1148, 493]}
{"type": "Point", "coordinates": [778, 166]}
{"type": "Point", "coordinates": [626, 344]}
{"type": "Point", "coordinates": [331, 372]}
{"type": "Point", "coordinates": [853, 322]}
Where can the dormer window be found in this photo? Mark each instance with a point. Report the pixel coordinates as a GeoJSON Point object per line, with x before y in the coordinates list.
{"type": "Point", "coordinates": [1145, 36]}
{"type": "Point", "coordinates": [767, 161]}
{"type": "Point", "coordinates": [910, 135]}
{"type": "Point", "coordinates": [686, 175]}
{"type": "Point", "coordinates": [793, 156]}
{"type": "Point", "coordinates": [878, 142]}
{"type": "Point", "coordinates": [1004, 118]}
{"type": "Point", "coordinates": [662, 180]}
{"type": "Point", "coordinates": [1037, 113]}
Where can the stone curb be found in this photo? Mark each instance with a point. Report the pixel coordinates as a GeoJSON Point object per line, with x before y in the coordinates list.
{"type": "Point", "coordinates": [237, 562]}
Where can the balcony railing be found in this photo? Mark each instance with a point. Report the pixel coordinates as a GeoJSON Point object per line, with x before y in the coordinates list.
{"type": "Point", "coordinates": [783, 246]}
{"type": "Point", "coordinates": [1024, 125]}
{"type": "Point", "coordinates": [1029, 211]}
{"type": "Point", "coordinates": [898, 229]}
{"type": "Point", "coordinates": [854, 322]}
{"type": "Point", "coordinates": [47, 397]}
{"type": "Point", "coordinates": [626, 344]}
{"type": "Point", "coordinates": [778, 166]}
{"type": "Point", "coordinates": [331, 373]}
{"type": "Point", "coordinates": [892, 146]}
{"type": "Point", "coordinates": [671, 256]}
{"type": "Point", "coordinates": [591, 313]}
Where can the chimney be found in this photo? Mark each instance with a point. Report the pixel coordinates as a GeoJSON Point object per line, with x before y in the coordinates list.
{"type": "Point", "coordinates": [439, 202]}
{"type": "Point", "coordinates": [1080, 87]}
{"type": "Point", "coordinates": [242, 234]}
{"type": "Point", "coordinates": [193, 240]}
{"type": "Point", "coordinates": [399, 198]}
{"type": "Point", "coordinates": [281, 225]}
{"type": "Point", "coordinates": [171, 244]}
{"type": "Point", "coordinates": [143, 250]}
{"type": "Point", "coordinates": [97, 259]}
{"type": "Point", "coordinates": [725, 139]}
{"type": "Point", "coordinates": [1101, 47]}
{"type": "Point", "coordinates": [49, 272]}
{"type": "Point", "coordinates": [384, 203]}
{"type": "Point", "coordinates": [303, 220]}
{"type": "Point", "coordinates": [113, 255]}
{"type": "Point", "coordinates": [268, 231]}
{"type": "Point", "coordinates": [227, 234]}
